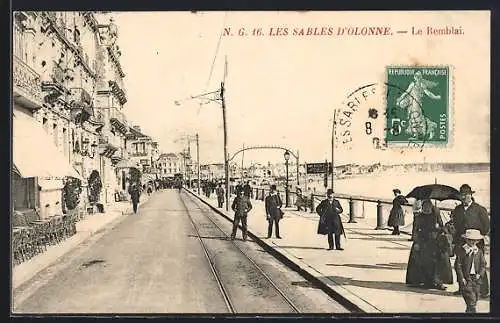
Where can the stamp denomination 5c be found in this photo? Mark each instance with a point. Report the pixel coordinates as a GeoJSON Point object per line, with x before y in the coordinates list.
{"type": "Point", "coordinates": [418, 105]}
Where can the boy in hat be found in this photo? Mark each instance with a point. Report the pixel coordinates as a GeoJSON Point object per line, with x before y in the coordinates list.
{"type": "Point", "coordinates": [470, 266]}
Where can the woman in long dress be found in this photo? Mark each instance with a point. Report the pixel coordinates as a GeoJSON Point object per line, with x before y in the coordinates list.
{"type": "Point", "coordinates": [425, 265]}
{"type": "Point", "coordinates": [397, 214]}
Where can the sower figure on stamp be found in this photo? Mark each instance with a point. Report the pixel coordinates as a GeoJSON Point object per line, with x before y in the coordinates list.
{"type": "Point", "coordinates": [220, 195]}
{"type": "Point", "coordinates": [241, 206]}
{"type": "Point", "coordinates": [470, 266]}
{"type": "Point", "coordinates": [397, 215]}
{"type": "Point", "coordinates": [470, 215]}
{"type": "Point", "coordinates": [330, 222]}
{"type": "Point", "coordinates": [419, 126]}
{"type": "Point", "coordinates": [273, 211]}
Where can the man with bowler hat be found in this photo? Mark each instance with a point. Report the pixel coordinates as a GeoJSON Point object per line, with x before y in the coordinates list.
{"type": "Point", "coordinates": [466, 216]}
{"type": "Point", "coordinates": [274, 214]}
{"type": "Point", "coordinates": [330, 222]}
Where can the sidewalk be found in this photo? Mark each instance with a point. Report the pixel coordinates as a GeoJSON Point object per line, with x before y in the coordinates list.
{"type": "Point", "coordinates": [370, 272]}
{"type": "Point", "coordinates": [87, 227]}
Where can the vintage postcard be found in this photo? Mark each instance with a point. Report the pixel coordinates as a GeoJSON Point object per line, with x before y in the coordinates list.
{"type": "Point", "coordinates": [251, 162]}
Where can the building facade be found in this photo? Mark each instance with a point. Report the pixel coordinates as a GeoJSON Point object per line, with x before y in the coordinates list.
{"type": "Point", "coordinates": [67, 112]}
{"type": "Point", "coordinates": [170, 164]}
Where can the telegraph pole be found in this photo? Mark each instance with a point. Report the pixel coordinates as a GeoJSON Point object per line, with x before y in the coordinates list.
{"type": "Point", "coordinates": [226, 157]}
{"type": "Point", "coordinates": [333, 147]}
{"type": "Point", "coordinates": [198, 161]}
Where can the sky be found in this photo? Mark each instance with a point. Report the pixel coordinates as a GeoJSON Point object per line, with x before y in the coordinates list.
{"type": "Point", "coordinates": [282, 90]}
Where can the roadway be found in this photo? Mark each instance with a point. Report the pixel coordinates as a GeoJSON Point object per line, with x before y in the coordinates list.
{"type": "Point", "coordinates": [157, 262]}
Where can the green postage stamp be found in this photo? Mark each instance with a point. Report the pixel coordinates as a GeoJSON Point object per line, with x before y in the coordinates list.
{"type": "Point", "coordinates": [418, 105]}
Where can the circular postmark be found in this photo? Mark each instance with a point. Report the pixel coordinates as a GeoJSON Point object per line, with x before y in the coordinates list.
{"type": "Point", "coordinates": [384, 115]}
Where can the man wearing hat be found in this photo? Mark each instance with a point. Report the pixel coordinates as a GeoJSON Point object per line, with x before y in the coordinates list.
{"type": "Point", "coordinates": [466, 216]}
{"type": "Point", "coordinates": [274, 214]}
{"type": "Point", "coordinates": [470, 266]}
{"type": "Point", "coordinates": [330, 222]}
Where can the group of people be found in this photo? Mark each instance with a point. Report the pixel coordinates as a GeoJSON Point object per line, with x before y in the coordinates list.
{"type": "Point", "coordinates": [241, 206]}
{"type": "Point", "coordinates": [329, 210]}
{"type": "Point", "coordinates": [435, 243]}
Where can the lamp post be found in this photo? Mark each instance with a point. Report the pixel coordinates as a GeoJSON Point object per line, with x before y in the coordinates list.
{"type": "Point", "coordinates": [287, 157]}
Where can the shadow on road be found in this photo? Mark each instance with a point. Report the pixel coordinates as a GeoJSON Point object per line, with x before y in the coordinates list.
{"type": "Point", "coordinates": [391, 265]}
{"type": "Point", "coordinates": [384, 285]}
{"type": "Point", "coordinates": [301, 247]}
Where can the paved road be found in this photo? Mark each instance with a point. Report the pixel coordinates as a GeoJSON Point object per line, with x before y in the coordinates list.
{"type": "Point", "coordinates": [154, 263]}
{"type": "Point", "coordinates": [146, 264]}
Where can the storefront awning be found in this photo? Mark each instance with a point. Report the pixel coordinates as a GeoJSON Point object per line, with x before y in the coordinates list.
{"type": "Point", "coordinates": [34, 153]}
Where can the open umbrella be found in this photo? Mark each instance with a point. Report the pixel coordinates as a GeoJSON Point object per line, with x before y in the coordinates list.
{"type": "Point", "coordinates": [434, 192]}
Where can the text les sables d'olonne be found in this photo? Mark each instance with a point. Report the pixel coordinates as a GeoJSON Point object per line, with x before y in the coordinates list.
{"type": "Point", "coordinates": [342, 31]}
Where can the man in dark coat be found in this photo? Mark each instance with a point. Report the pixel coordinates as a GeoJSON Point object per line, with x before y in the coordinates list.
{"type": "Point", "coordinates": [135, 192]}
{"type": "Point", "coordinates": [247, 190]}
{"type": "Point", "coordinates": [273, 211]}
{"type": "Point", "coordinates": [241, 206]}
{"type": "Point", "coordinates": [220, 195]}
{"type": "Point", "coordinates": [330, 223]}
{"type": "Point", "coordinates": [470, 215]}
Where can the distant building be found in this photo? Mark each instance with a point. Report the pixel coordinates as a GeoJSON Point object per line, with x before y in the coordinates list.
{"type": "Point", "coordinates": [169, 164]}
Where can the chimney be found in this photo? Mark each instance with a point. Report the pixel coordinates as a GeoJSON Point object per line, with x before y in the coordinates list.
{"type": "Point", "coordinates": [137, 128]}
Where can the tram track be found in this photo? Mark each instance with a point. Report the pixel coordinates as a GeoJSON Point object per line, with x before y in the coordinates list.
{"type": "Point", "coordinates": [261, 288]}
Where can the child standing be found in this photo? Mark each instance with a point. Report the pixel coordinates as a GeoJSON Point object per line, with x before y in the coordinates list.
{"type": "Point", "coordinates": [470, 266]}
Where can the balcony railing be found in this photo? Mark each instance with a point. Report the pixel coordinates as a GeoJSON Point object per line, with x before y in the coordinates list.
{"type": "Point", "coordinates": [138, 154]}
{"type": "Point", "coordinates": [58, 25]}
{"type": "Point", "coordinates": [115, 58]}
{"type": "Point", "coordinates": [118, 90]}
{"type": "Point", "coordinates": [27, 84]}
{"type": "Point", "coordinates": [118, 120]}
{"type": "Point", "coordinates": [55, 84]}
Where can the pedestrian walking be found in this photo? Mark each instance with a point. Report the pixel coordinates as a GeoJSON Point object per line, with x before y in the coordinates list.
{"type": "Point", "coordinates": [470, 266]}
{"type": "Point", "coordinates": [300, 202]}
{"type": "Point", "coordinates": [135, 193]}
{"type": "Point", "coordinates": [330, 223]}
{"type": "Point", "coordinates": [220, 195]}
{"type": "Point", "coordinates": [471, 215]}
{"type": "Point", "coordinates": [417, 210]}
{"type": "Point", "coordinates": [397, 214]}
{"type": "Point", "coordinates": [241, 206]}
{"type": "Point", "coordinates": [274, 213]}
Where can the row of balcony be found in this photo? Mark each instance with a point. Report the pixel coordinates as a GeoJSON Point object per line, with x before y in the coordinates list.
{"type": "Point", "coordinates": [58, 25]}
{"type": "Point", "coordinates": [27, 84]}
{"type": "Point", "coordinates": [113, 54]}
{"type": "Point", "coordinates": [118, 91]}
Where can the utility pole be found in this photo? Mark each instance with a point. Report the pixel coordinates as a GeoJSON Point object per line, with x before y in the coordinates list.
{"type": "Point", "coordinates": [298, 169]}
{"type": "Point", "coordinates": [226, 157]}
{"type": "Point", "coordinates": [333, 147]}
{"type": "Point", "coordinates": [198, 161]}
{"type": "Point", "coordinates": [242, 159]}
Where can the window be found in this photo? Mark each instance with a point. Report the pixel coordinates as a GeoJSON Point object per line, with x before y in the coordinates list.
{"type": "Point", "coordinates": [65, 141]}
{"type": "Point", "coordinates": [45, 124]}
{"type": "Point", "coordinates": [56, 134]}
{"type": "Point", "coordinates": [18, 47]}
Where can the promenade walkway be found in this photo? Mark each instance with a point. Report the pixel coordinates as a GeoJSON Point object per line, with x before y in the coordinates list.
{"type": "Point", "coordinates": [370, 272]}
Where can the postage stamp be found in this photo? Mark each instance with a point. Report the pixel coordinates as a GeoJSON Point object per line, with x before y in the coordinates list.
{"type": "Point", "coordinates": [418, 105]}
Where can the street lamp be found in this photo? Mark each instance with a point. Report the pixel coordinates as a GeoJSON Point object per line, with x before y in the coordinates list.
{"type": "Point", "coordinates": [287, 157]}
